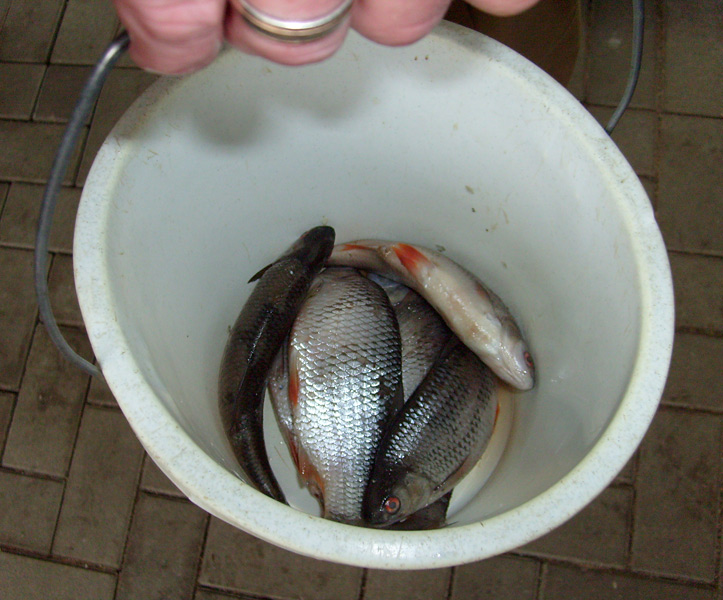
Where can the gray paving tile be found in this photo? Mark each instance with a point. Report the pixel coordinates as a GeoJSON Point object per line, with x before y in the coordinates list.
{"type": "Point", "coordinates": [29, 149]}
{"type": "Point", "coordinates": [4, 7]}
{"type": "Point", "coordinates": [499, 578]}
{"type": "Point", "coordinates": [101, 489]}
{"type": "Point", "coordinates": [690, 203]}
{"type": "Point", "coordinates": [17, 313]}
{"type": "Point", "coordinates": [154, 480]}
{"type": "Point", "coordinates": [19, 219]}
{"type": "Point", "coordinates": [7, 402]}
{"type": "Point", "coordinates": [59, 92]}
{"type": "Point", "coordinates": [576, 85]}
{"type": "Point", "coordinates": [99, 393]}
{"type": "Point", "coordinates": [61, 286]}
{"type": "Point", "coordinates": [569, 583]}
{"type": "Point", "coordinates": [678, 484]}
{"type": "Point", "coordinates": [23, 578]}
{"type": "Point", "coordinates": [598, 534]}
{"type": "Point", "coordinates": [88, 27]}
{"type": "Point", "coordinates": [234, 560]}
{"type": "Point", "coordinates": [611, 26]}
{"type": "Point", "coordinates": [693, 57]}
{"type": "Point", "coordinates": [651, 188]}
{"type": "Point", "coordinates": [28, 511]}
{"type": "Point", "coordinates": [635, 135]}
{"type": "Point", "coordinates": [27, 34]}
{"type": "Point", "coordinates": [431, 584]}
{"type": "Point", "coordinates": [697, 282]}
{"type": "Point", "coordinates": [19, 90]}
{"type": "Point", "coordinates": [695, 379]}
{"type": "Point", "coordinates": [47, 413]}
{"type": "Point", "coordinates": [164, 548]}
{"type": "Point", "coordinates": [122, 87]}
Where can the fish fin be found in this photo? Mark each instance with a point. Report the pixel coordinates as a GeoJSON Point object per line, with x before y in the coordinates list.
{"type": "Point", "coordinates": [411, 258]}
{"type": "Point", "coordinates": [310, 475]}
{"type": "Point", "coordinates": [259, 274]}
{"type": "Point", "coordinates": [294, 383]}
{"type": "Point", "coordinates": [353, 246]}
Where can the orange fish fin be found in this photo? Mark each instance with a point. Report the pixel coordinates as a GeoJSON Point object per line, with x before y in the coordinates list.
{"type": "Point", "coordinates": [353, 246]}
{"type": "Point", "coordinates": [411, 258]}
{"type": "Point", "coordinates": [293, 383]}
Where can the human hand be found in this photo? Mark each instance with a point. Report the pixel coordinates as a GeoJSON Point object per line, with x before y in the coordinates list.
{"type": "Point", "coordinates": [180, 36]}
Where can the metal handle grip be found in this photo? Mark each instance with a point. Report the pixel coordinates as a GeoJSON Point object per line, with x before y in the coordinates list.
{"type": "Point", "coordinates": [82, 109]}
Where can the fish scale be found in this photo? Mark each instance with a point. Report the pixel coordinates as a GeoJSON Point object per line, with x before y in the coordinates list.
{"type": "Point", "coordinates": [345, 352]}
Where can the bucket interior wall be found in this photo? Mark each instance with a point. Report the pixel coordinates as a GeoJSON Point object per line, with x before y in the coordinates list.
{"type": "Point", "coordinates": [219, 177]}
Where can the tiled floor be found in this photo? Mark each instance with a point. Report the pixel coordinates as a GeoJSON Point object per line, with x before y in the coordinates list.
{"type": "Point", "coordinates": [85, 514]}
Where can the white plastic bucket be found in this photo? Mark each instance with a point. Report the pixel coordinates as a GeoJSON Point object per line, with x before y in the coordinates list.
{"type": "Point", "coordinates": [455, 142]}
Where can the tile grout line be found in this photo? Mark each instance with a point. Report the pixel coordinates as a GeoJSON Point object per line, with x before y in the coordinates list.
{"type": "Point", "coordinates": [23, 370]}
{"type": "Point", "coordinates": [7, 427]}
{"type": "Point", "coordinates": [201, 554]}
{"type": "Point", "coordinates": [632, 521]}
{"type": "Point", "coordinates": [56, 32]}
{"type": "Point", "coordinates": [541, 580]}
{"type": "Point", "coordinates": [660, 58]}
{"type": "Point", "coordinates": [70, 462]}
{"type": "Point", "coordinates": [586, 19]}
{"type": "Point", "coordinates": [36, 100]}
{"type": "Point", "coordinates": [599, 568]}
{"type": "Point", "coordinates": [131, 518]}
{"type": "Point", "coordinates": [33, 474]}
{"type": "Point", "coordinates": [58, 560]}
{"type": "Point", "coordinates": [719, 541]}
{"type": "Point", "coordinates": [450, 584]}
{"type": "Point", "coordinates": [235, 593]}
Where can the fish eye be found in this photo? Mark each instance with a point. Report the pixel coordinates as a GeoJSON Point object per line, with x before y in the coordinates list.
{"type": "Point", "coordinates": [392, 505]}
{"type": "Point", "coordinates": [528, 359]}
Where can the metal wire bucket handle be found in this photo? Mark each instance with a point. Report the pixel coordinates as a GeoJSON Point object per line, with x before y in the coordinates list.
{"type": "Point", "coordinates": [82, 109]}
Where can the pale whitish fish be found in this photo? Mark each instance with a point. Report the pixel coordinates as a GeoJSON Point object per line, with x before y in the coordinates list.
{"type": "Point", "coordinates": [344, 385]}
{"type": "Point", "coordinates": [473, 312]}
{"type": "Point", "coordinates": [254, 341]}
{"type": "Point", "coordinates": [434, 441]}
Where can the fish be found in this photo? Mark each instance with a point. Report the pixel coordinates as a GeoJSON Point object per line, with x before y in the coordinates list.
{"type": "Point", "coordinates": [344, 385]}
{"type": "Point", "coordinates": [472, 311]}
{"type": "Point", "coordinates": [254, 340]}
{"type": "Point", "coordinates": [435, 440]}
{"type": "Point", "coordinates": [422, 330]}
{"type": "Point", "coordinates": [424, 335]}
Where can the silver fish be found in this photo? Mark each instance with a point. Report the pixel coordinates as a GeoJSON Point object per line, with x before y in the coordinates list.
{"type": "Point", "coordinates": [435, 440]}
{"type": "Point", "coordinates": [422, 330]}
{"type": "Point", "coordinates": [423, 334]}
{"type": "Point", "coordinates": [344, 385]}
{"type": "Point", "coordinates": [473, 312]}
{"type": "Point", "coordinates": [254, 341]}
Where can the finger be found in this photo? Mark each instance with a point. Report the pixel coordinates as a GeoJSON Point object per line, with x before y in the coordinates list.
{"type": "Point", "coordinates": [397, 22]}
{"type": "Point", "coordinates": [503, 8]}
{"type": "Point", "coordinates": [239, 33]}
{"type": "Point", "coordinates": [173, 36]}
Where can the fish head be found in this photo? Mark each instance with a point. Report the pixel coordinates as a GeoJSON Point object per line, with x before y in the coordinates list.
{"type": "Point", "coordinates": [314, 246]}
{"type": "Point", "coordinates": [392, 499]}
{"type": "Point", "coordinates": [516, 364]}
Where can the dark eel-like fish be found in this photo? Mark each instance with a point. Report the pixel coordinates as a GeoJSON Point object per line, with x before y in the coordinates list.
{"type": "Point", "coordinates": [254, 341]}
